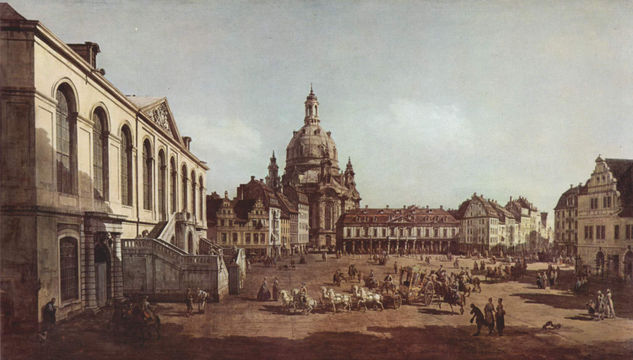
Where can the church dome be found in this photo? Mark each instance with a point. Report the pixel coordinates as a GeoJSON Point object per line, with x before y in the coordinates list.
{"type": "Point", "coordinates": [311, 144]}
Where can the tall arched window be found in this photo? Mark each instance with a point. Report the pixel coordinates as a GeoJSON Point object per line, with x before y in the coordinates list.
{"type": "Point", "coordinates": [126, 167]}
{"type": "Point", "coordinates": [184, 187]}
{"type": "Point", "coordinates": [328, 216]}
{"type": "Point", "coordinates": [100, 154]}
{"type": "Point", "coordinates": [194, 203]}
{"type": "Point", "coordinates": [66, 140]}
{"type": "Point", "coordinates": [162, 173]}
{"type": "Point", "coordinates": [174, 185]}
{"type": "Point", "coordinates": [69, 268]}
{"type": "Point", "coordinates": [202, 216]}
{"type": "Point", "coordinates": [147, 175]}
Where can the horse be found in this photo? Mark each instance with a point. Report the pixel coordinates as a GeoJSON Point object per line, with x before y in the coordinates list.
{"type": "Point", "coordinates": [452, 298]}
{"type": "Point", "coordinates": [371, 298]}
{"type": "Point", "coordinates": [287, 301]}
{"type": "Point", "coordinates": [334, 299]}
{"type": "Point", "coordinates": [357, 296]}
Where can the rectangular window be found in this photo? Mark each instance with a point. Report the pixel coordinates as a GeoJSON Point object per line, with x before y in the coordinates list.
{"type": "Point", "coordinates": [384, 232]}
{"type": "Point", "coordinates": [419, 232]}
{"type": "Point", "coordinates": [427, 232]}
{"type": "Point", "coordinates": [375, 232]}
{"type": "Point", "coordinates": [248, 238]}
{"type": "Point", "coordinates": [445, 233]}
{"type": "Point", "coordinates": [616, 232]}
{"type": "Point", "coordinates": [436, 232]}
{"type": "Point", "coordinates": [223, 238]}
{"type": "Point", "coordinates": [235, 237]}
{"type": "Point", "coordinates": [349, 232]}
{"type": "Point", "coordinates": [628, 232]}
{"type": "Point", "coordinates": [69, 269]}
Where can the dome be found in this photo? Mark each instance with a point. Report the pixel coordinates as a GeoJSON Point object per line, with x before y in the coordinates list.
{"type": "Point", "coordinates": [309, 146]}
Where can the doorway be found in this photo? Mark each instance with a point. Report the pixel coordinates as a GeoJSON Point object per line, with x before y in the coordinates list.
{"type": "Point", "coordinates": [103, 270]}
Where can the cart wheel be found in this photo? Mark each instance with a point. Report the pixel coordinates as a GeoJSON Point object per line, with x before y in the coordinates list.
{"type": "Point", "coordinates": [428, 297]}
{"type": "Point", "coordinates": [397, 302]}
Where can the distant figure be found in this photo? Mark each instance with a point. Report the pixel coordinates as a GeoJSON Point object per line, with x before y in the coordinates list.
{"type": "Point", "coordinates": [275, 289]}
{"type": "Point", "coordinates": [49, 315]}
{"type": "Point", "coordinates": [489, 310]}
{"type": "Point", "coordinates": [478, 316]}
{"type": "Point", "coordinates": [264, 293]}
{"type": "Point", "coordinates": [551, 326]}
{"type": "Point", "coordinates": [609, 305]}
{"type": "Point", "coordinates": [500, 317]}
{"type": "Point", "coordinates": [189, 302]}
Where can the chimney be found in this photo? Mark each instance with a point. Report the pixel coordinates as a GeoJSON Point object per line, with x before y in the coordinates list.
{"type": "Point", "coordinates": [252, 177]}
{"type": "Point", "coordinates": [366, 206]}
{"type": "Point", "coordinates": [187, 141]}
{"type": "Point", "coordinates": [441, 207]}
{"type": "Point", "coordinates": [386, 206]}
{"type": "Point", "coordinates": [88, 51]}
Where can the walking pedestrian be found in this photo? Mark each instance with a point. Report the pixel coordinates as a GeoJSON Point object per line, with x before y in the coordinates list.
{"type": "Point", "coordinates": [478, 316]}
{"type": "Point", "coordinates": [489, 311]}
{"type": "Point", "coordinates": [500, 317]}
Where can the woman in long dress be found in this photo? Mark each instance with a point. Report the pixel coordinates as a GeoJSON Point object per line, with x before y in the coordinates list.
{"type": "Point", "coordinates": [264, 293]}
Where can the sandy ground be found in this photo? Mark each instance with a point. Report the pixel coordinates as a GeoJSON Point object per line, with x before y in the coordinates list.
{"type": "Point", "coordinates": [240, 327]}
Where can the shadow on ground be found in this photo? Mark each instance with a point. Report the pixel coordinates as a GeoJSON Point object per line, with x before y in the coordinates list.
{"type": "Point", "coordinates": [89, 340]}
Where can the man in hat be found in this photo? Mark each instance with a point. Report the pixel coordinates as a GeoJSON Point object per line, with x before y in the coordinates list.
{"type": "Point", "coordinates": [478, 316]}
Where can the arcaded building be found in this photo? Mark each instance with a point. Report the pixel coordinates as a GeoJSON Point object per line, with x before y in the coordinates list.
{"type": "Point", "coordinates": [312, 167]}
{"type": "Point", "coordinates": [410, 229]}
{"type": "Point", "coordinates": [94, 185]}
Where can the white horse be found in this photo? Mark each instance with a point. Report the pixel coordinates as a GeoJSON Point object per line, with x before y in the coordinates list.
{"type": "Point", "coordinates": [329, 296]}
{"type": "Point", "coordinates": [371, 298]}
{"type": "Point", "coordinates": [358, 297]}
{"type": "Point", "coordinates": [287, 301]}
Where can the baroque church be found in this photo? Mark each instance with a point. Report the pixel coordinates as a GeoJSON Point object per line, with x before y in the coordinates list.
{"type": "Point", "coordinates": [312, 167]}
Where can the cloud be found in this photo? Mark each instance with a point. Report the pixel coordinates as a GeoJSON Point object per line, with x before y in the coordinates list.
{"type": "Point", "coordinates": [430, 126]}
{"type": "Point", "coordinates": [229, 137]}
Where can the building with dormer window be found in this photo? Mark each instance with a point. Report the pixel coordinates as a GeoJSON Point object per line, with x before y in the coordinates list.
{"type": "Point", "coordinates": [605, 219]}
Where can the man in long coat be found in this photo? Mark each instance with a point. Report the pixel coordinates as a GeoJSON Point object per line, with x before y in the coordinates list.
{"type": "Point", "coordinates": [500, 317]}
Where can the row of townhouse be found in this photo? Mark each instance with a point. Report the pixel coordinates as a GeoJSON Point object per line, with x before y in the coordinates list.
{"type": "Point", "coordinates": [260, 219]}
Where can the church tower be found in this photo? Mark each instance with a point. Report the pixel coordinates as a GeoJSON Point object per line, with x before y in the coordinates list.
{"type": "Point", "coordinates": [273, 179]}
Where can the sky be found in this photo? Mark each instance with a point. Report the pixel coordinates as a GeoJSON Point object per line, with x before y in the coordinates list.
{"type": "Point", "coordinates": [432, 100]}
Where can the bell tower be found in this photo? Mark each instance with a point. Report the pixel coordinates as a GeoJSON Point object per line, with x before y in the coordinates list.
{"type": "Point", "coordinates": [312, 109]}
{"type": "Point", "coordinates": [273, 179]}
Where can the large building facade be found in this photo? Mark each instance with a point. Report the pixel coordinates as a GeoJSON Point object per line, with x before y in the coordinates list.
{"type": "Point", "coordinates": [605, 219]}
{"type": "Point", "coordinates": [410, 229]}
{"type": "Point", "coordinates": [89, 169]}
{"type": "Point", "coordinates": [312, 167]}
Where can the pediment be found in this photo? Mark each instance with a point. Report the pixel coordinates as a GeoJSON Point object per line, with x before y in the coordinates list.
{"type": "Point", "coordinates": [157, 111]}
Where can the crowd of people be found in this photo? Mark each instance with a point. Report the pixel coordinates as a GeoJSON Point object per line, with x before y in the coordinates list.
{"type": "Point", "coordinates": [549, 278]}
{"type": "Point", "coordinates": [492, 318]}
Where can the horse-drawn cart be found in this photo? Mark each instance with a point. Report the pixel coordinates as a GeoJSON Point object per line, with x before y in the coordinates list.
{"type": "Point", "coordinates": [392, 300]}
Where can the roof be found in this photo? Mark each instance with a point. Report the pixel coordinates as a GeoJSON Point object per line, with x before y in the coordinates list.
{"type": "Point", "coordinates": [243, 207]}
{"type": "Point", "coordinates": [214, 202]}
{"type": "Point", "coordinates": [572, 191]}
{"type": "Point", "coordinates": [9, 13]}
{"type": "Point", "coordinates": [143, 101]}
{"type": "Point", "coordinates": [622, 169]}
